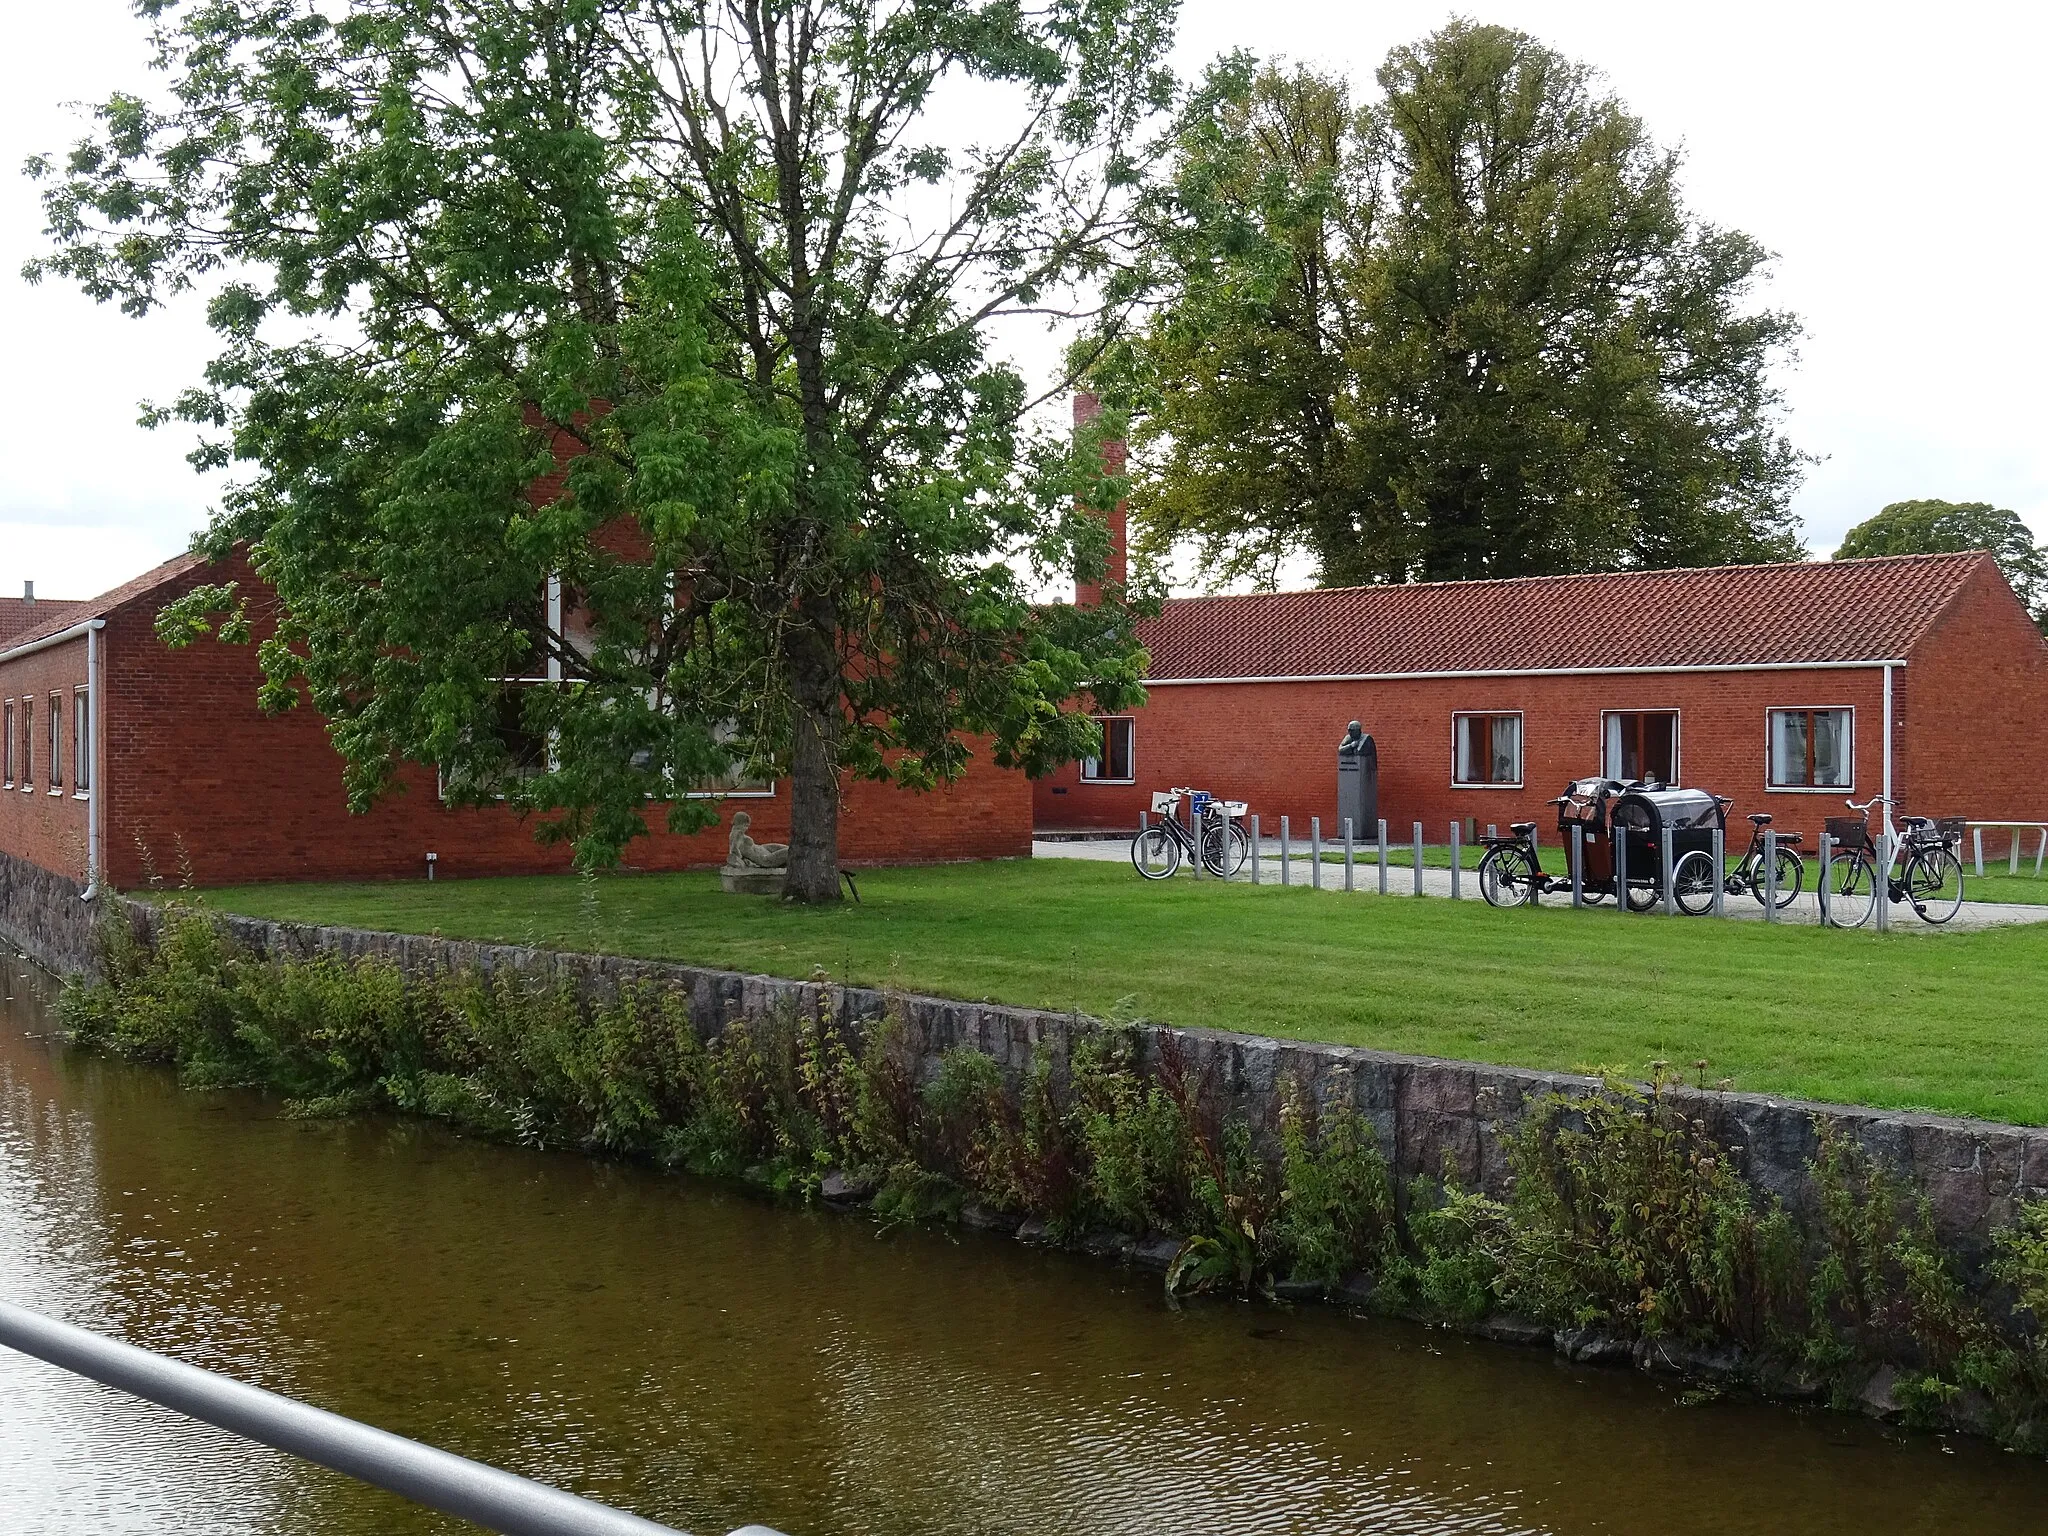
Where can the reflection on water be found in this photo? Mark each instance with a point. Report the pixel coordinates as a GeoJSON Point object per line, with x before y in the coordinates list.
{"type": "Point", "coordinates": [707, 1360]}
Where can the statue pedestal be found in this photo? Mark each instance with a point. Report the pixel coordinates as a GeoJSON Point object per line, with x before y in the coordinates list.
{"type": "Point", "coordinates": [746, 880]}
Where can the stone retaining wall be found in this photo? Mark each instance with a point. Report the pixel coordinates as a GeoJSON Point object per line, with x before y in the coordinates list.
{"type": "Point", "coordinates": [45, 916]}
{"type": "Point", "coordinates": [1422, 1108]}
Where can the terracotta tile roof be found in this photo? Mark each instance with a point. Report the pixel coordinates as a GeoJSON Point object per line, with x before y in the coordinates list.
{"type": "Point", "coordinates": [18, 615]}
{"type": "Point", "coordinates": [1724, 616]}
{"type": "Point", "coordinates": [99, 607]}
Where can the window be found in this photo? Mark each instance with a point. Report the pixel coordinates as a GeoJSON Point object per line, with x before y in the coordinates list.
{"type": "Point", "coordinates": [1117, 763]}
{"type": "Point", "coordinates": [1641, 744]}
{"type": "Point", "coordinates": [1488, 750]}
{"type": "Point", "coordinates": [1813, 749]}
{"type": "Point", "coordinates": [7, 745]}
{"type": "Point", "coordinates": [744, 779]}
{"type": "Point", "coordinates": [56, 753]}
{"type": "Point", "coordinates": [81, 741]}
{"type": "Point", "coordinates": [27, 777]}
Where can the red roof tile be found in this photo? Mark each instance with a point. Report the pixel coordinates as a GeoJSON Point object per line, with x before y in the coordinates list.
{"type": "Point", "coordinates": [18, 615]}
{"type": "Point", "coordinates": [1724, 616]}
{"type": "Point", "coordinates": [99, 607]}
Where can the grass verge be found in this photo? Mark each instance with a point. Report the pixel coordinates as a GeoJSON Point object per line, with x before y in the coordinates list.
{"type": "Point", "coordinates": [1947, 1022]}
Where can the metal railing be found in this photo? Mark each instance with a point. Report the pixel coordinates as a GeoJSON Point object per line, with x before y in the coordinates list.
{"type": "Point", "coordinates": [455, 1485]}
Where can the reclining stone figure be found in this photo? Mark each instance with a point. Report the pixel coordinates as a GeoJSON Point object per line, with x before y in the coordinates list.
{"type": "Point", "coordinates": [742, 852]}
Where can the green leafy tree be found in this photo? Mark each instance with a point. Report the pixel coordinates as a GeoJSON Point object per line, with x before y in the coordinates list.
{"type": "Point", "coordinates": [707, 272]}
{"type": "Point", "coordinates": [1951, 527]}
{"type": "Point", "coordinates": [1468, 329]}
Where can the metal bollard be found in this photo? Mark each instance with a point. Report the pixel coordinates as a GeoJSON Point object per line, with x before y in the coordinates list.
{"type": "Point", "coordinates": [1578, 865]}
{"type": "Point", "coordinates": [1195, 821]}
{"type": "Point", "coordinates": [1257, 850]}
{"type": "Point", "coordinates": [1418, 858]}
{"type": "Point", "coordinates": [1457, 860]}
{"type": "Point", "coordinates": [1348, 884]}
{"type": "Point", "coordinates": [1977, 838]}
{"type": "Point", "coordinates": [1286, 847]}
{"type": "Point", "coordinates": [1383, 858]}
{"type": "Point", "coordinates": [1670, 903]}
{"type": "Point", "coordinates": [1315, 852]}
{"type": "Point", "coordinates": [1883, 893]}
{"type": "Point", "coordinates": [1620, 837]}
{"type": "Point", "coordinates": [1720, 871]}
{"type": "Point", "coordinates": [1770, 877]}
{"type": "Point", "coordinates": [1827, 850]}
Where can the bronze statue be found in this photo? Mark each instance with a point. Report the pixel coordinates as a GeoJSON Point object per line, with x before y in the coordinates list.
{"type": "Point", "coordinates": [742, 852]}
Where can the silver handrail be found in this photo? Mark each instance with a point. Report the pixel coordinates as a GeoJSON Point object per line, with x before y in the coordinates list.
{"type": "Point", "coordinates": [495, 1499]}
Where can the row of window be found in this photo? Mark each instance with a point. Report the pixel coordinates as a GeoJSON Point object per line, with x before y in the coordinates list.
{"type": "Point", "coordinates": [18, 755]}
{"type": "Point", "coordinates": [1804, 748]}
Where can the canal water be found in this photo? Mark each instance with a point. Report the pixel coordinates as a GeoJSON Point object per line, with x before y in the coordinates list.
{"type": "Point", "coordinates": [707, 1359]}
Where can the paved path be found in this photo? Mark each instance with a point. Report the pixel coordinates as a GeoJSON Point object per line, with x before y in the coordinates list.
{"type": "Point", "coordinates": [1437, 882]}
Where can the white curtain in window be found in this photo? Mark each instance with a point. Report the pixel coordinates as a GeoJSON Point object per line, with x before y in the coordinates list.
{"type": "Point", "coordinates": [1831, 748]}
{"type": "Point", "coordinates": [1507, 749]}
{"type": "Point", "coordinates": [1614, 748]}
{"type": "Point", "coordinates": [1467, 725]}
{"type": "Point", "coordinates": [1788, 747]}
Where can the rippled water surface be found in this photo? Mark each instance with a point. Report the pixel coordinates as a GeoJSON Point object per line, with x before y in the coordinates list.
{"type": "Point", "coordinates": [707, 1360]}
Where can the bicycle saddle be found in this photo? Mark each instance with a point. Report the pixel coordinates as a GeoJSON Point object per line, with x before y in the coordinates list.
{"type": "Point", "coordinates": [1760, 818]}
{"type": "Point", "coordinates": [1521, 828]}
{"type": "Point", "coordinates": [1916, 822]}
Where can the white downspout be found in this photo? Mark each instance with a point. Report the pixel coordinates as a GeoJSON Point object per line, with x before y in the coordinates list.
{"type": "Point", "coordinates": [95, 708]}
{"type": "Point", "coordinates": [1887, 748]}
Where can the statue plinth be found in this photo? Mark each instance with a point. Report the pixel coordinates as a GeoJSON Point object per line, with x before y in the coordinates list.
{"type": "Point", "coordinates": [747, 880]}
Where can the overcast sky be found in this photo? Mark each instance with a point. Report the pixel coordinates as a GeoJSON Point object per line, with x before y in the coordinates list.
{"type": "Point", "coordinates": [1890, 155]}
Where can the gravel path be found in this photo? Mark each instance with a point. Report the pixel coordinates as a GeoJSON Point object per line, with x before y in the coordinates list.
{"type": "Point", "coordinates": [1437, 882]}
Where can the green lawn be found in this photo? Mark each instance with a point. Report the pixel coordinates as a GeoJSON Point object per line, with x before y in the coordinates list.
{"type": "Point", "coordinates": [1951, 1022]}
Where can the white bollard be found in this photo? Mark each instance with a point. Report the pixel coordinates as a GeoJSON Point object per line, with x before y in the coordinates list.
{"type": "Point", "coordinates": [1383, 858]}
{"type": "Point", "coordinates": [1977, 838]}
{"type": "Point", "coordinates": [1670, 893]}
{"type": "Point", "coordinates": [1827, 852]}
{"type": "Point", "coordinates": [1770, 877]}
{"type": "Point", "coordinates": [1256, 849]}
{"type": "Point", "coordinates": [1720, 871]}
{"type": "Point", "coordinates": [1418, 858]}
{"type": "Point", "coordinates": [1315, 851]}
{"type": "Point", "coordinates": [1457, 860]}
{"type": "Point", "coordinates": [1348, 885]}
{"type": "Point", "coordinates": [1578, 865]}
{"type": "Point", "coordinates": [1286, 868]}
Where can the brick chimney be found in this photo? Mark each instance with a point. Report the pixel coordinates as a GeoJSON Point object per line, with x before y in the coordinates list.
{"type": "Point", "coordinates": [1088, 594]}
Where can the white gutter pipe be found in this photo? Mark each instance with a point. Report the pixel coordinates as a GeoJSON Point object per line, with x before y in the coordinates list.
{"type": "Point", "coordinates": [29, 648]}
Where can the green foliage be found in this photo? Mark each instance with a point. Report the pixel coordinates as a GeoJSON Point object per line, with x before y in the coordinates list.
{"type": "Point", "coordinates": [1336, 1197]}
{"type": "Point", "coordinates": [717, 277]}
{"type": "Point", "coordinates": [1952, 527]}
{"type": "Point", "coordinates": [1466, 329]}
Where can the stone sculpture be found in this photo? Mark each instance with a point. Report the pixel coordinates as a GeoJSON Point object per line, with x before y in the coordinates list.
{"type": "Point", "coordinates": [751, 868]}
{"type": "Point", "coordinates": [1353, 742]}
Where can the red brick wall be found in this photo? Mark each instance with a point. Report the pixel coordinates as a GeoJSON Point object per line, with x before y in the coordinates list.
{"type": "Point", "coordinates": [1274, 745]}
{"type": "Point", "coordinates": [47, 829]}
{"type": "Point", "coordinates": [205, 781]}
{"type": "Point", "coordinates": [1973, 711]}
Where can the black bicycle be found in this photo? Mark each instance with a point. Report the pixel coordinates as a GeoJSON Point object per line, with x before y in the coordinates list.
{"type": "Point", "coordinates": [1157, 852]}
{"type": "Point", "coordinates": [1511, 870]}
{"type": "Point", "coordinates": [1923, 870]}
{"type": "Point", "coordinates": [1693, 879]}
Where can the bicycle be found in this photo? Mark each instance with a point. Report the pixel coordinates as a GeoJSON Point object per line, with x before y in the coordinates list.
{"type": "Point", "coordinates": [1693, 878]}
{"type": "Point", "coordinates": [1157, 852]}
{"type": "Point", "coordinates": [1928, 875]}
{"type": "Point", "coordinates": [1511, 870]}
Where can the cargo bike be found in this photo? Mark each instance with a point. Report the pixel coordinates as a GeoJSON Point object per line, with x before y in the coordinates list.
{"type": "Point", "coordinates": [1621, 831]}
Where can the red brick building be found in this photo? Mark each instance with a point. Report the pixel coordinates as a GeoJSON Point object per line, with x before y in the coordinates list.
{"type": "Point", "coordinates": [1788, 687]}
{"type": "Point", "coordinates": [122, 755]}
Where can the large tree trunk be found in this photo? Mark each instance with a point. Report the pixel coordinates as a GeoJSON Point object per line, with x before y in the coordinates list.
{"type": "Point", "coordinates": [814, 772]}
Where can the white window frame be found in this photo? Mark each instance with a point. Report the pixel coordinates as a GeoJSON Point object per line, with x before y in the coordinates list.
{"type": "Point", "coordinates": [1772, 787]}
{"type": "Point", "coordinates": [1677, 737]}
{"type": "Point", "coordinates": [1091, 777]}
{"type": "Point", "coordinates": [81, 743]}
{"type": "Point", "coordinates": [27, 780]}
{"type": "Point", "coordinates": [56, 764]}
{"type": "Point", "coordinates": [7, 746]}
{"type": "Point", "coordinates": [1521, 747]}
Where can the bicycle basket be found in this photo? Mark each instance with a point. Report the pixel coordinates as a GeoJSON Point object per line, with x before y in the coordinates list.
{"type": "Point", "coordinates": [1950, 830]}
{"type": "Point", "coordinates": [1164, 802]}
{"type": "Point", "coordinates": [1848, 833]}
{"type": "Point", "coordinates": [1236, 810]}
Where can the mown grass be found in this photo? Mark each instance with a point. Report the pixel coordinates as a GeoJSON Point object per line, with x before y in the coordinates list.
{"type": "Point", "coordinates": [1954, 1022]}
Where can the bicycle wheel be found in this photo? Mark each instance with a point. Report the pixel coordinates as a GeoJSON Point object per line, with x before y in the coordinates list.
{"type": "Point", "coordinates": [1791, 877]}
{"type": "Point", "coordinates": [1934, 884]}
{"type": "Point", "coordinates": [1693, 883]}
{"type": "Point", "coordinates": [1851, 889]}
{"type": "Point", "coordinates": [1213, 858]}
{"type": "Point", "coordinates": [1507, 877]}
{"type": "Point", "coordinates": [1155, 853]}
{"type": "Point", "coordinates": [1643, 895]}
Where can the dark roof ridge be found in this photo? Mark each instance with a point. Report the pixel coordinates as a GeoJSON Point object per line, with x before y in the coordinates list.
{"type": "Point", "coordinates": [78, 611]}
